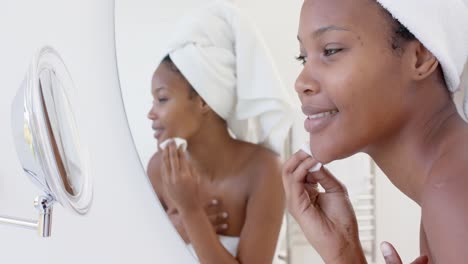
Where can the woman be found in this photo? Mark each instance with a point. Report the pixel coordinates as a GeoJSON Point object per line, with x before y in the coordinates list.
{"type": "Point", "coordinates": [206, 87]}
{"type": "Point", "coordinates": [375, 84]}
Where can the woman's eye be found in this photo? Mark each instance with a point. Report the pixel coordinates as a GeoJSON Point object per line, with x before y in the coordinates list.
{"type": "Point", "coordinates": [162, 100]}
{"type": "Point", "coordinates": [301, 59]}
{"type": "Point", "coordinates": [330, 52]}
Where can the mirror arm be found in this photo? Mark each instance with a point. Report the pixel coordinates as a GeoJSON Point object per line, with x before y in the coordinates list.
{"type": "Point", "coordinates": [43, 225]}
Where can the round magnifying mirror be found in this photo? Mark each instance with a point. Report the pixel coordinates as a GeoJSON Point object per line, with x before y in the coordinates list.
{"type": "Point", "coordinates": [46, 134]}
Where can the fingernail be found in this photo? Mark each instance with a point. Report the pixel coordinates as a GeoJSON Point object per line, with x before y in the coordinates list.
{"type": "Point", "coordinates": [214, 201]}
{"type": "Point", "coordinates": [386, 249]}
{"type": "Point", "coordinates": [224, 214]}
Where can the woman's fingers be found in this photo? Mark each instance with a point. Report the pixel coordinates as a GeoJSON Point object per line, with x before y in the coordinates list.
{"type": "Point", "coordinates": [166, 166]}
{"type": "Point", "coordinates": [221, 228]}
{"type": "Point", "coordinates": [173, 156]}
{"type": "Point", "coordinates": [299, 195]}
{"type": "Point", "coordinates": [213, 206]}
{"type": "Point", "coordinates": [421, 260]}
{"type": "Point", "coordinates": [312, 191]}
{"type": "Point", "coordinates": [290, 165]}
{"type": "Point", "coordinates": [183, 164]}
{"type": "Point", "coordinates": [328, 182]}
{"type": "Point", "coordinates": [294, 161]}
{"type": "Point", "coordinates": [218, 218]}
{"type": "Point", "coordinates": [390, 254]}
{"type": "Point", "coordinates": [301, 171]}
{"type": "Point", "coordinates": [298, 176]}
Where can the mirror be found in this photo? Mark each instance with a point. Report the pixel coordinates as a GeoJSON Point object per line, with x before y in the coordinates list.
{"type": "Point", "coordinates": [46, 137]}
{"type": "Point", "coordinates": [244, 125]}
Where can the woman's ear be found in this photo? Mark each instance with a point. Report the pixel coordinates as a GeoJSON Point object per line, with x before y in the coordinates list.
{"type": "Point", "coordinates": [423, 62]}
{"type": "Point", "coordinates": [203, 106]}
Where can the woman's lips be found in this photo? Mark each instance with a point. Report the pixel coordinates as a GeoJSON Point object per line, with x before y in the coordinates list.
{"type": "Point", "coordinates": [157, 133]}
{"type": "Point", "coordinates": [318, 121]}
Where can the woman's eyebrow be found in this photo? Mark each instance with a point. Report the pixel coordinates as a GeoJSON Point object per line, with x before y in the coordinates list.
{"type": "Point", "coordinates": [317, 33]}
{"type": "Point", "coordinates": [157, 90]}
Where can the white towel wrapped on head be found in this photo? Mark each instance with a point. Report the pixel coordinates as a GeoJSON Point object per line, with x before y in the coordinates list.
{"type": "Point", "coordinates": [225, 60]}
{"type": "Point", "coordinates": [442, 27]}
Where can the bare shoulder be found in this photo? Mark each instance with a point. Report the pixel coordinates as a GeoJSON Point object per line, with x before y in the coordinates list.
{"type": "Point", "coordinates": [153, 171]}
{"type": "Point", "coordinates": [262, 166]}
{"type": "Point", "coordinates": [265, 204]}
{"type": "Point", "coordinates": [261, 160]}
{"type": "Point", "coordinates": [154, 165]}
{"type": "Point", "coordinates": [449, 173]}
{"type": "Point", "coordinates": [444, 205]}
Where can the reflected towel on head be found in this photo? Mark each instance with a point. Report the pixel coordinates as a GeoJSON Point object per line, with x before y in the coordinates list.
{"type": "Point", "coordinates": [442, 27]}
{"type": "Point", "coordinates": [224, 59]}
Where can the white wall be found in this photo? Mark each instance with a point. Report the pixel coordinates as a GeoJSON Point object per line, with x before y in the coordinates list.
{"type": "Point", "coordinates": [125, 224]}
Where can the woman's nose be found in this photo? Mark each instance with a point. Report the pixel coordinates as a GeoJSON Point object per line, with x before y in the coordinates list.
{"type": "Point", "coordinates": [152, 114]}
{"type": "Point", "coordinates": [306, 84]}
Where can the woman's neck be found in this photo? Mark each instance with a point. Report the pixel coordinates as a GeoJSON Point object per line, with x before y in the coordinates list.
{"type": "Point", "coordinates": [212, 149]}
{"type": "Point", "coordinates": [407, 157]}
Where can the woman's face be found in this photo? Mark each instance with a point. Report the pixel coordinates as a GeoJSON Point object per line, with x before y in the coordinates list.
{"type": "Point", "coordinates": [353, 86]}
{"type": "Point", "coordinates": [175, 111]}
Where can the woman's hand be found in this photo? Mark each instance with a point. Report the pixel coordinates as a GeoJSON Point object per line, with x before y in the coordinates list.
{"type": "Point", "coordinates": [181, 181]}
{"type": "Point", "coordinates": [391, 255]}
{"type": "Point", "coordinates": [326, 218]}
{"type": "Point", "coordinates": [213, 209]}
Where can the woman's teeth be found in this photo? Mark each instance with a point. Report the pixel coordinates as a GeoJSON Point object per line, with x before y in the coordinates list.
{"type": "Point", "coordinates": [323, 114]}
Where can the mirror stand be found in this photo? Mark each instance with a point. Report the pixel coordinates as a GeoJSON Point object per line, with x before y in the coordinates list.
{"type": "Point", "coordinates": [44, 205]}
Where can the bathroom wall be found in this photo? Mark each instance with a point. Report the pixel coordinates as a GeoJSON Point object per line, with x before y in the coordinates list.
{"type": "Point", "coordinates": [125, 224]}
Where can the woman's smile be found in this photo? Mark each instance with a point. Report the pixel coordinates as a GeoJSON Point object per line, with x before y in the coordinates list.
{"type": "Point", "coordinates": [318, 119]}
{"type": "Point", "coordinates": [158, 132]}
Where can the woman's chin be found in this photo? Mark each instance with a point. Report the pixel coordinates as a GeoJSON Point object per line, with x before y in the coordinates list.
{"type": "Point", "coordinates": [326, 154]}
{"type": "Point", "coordinates": [322, 158]}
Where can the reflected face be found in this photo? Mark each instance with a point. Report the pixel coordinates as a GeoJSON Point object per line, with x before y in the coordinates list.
{"type": "Point", "coordinates": [353, 87]}
{"type": "Point", "coordinates": [175, 111]}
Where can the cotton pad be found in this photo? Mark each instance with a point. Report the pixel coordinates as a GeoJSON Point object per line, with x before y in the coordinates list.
{"type": "Point", "coordinates": [180, 143]}
{"type": "Point", "coordinates": [306, 149]}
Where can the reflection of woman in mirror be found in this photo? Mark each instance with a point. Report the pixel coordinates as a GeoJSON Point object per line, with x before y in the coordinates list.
{"type": "Point", "coordinates": [58, 158]}
{"type": "Point", "coordinates": [383, 86]}
{"type": "Point", "coordinates": [217, 78]}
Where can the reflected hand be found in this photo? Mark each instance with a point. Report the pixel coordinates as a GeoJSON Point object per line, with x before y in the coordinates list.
{"type": "Point", "coordinates": [326, 218]}
{"type": "Point", "coordinates": [391, 255]}
{"type": "Point", "coordinates": [181, 181]}
{"type": "Point", "coordinates": [176, 220]}
{"type": "Point", "coordinates": [217, 216]}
